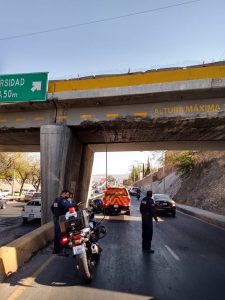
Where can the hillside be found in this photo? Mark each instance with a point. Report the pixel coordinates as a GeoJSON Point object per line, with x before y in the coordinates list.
{"type": "Point", "coordinates": [203, 188]}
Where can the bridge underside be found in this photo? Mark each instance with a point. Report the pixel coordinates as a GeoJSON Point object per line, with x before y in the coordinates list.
{"type": "Point", "coordinates": [131, 135]}
{"type": "Point", "coordinates": [170, 109]}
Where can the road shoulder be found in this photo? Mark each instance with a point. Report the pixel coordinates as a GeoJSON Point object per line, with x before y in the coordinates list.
{"type": "Point", "coordinates": [207, 216]}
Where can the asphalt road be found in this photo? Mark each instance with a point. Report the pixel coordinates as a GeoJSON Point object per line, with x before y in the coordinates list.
{"type": "Point", "coordinates": [10, 215]}
{"type": "Point", "coordinates": [11, 226]}
{"type": "Point", "coordinates": [188, 264]}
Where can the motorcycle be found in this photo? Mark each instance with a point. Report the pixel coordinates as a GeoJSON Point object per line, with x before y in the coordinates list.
{"type": "Point", "coordinates": [97, 206]}
{"type": "Point", "coordinates": [138, 195]}
{"type": "Point", "coordinates": [81, 234]}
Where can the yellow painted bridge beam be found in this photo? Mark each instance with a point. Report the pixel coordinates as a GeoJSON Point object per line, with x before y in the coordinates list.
{"type": "Point", "coordinates": [151, 77]}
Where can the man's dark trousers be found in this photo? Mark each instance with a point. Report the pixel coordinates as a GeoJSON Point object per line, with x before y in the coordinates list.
{"type": "Point", "coordinates": [147, 232]}
{"type": "Point", "coordinates": [57, 245]}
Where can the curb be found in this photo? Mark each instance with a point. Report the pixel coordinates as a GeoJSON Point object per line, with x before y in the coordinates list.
{"type": "Point", "coordinates": [16, 253]}
{"type": "Point", "coordinates": [204, 217]}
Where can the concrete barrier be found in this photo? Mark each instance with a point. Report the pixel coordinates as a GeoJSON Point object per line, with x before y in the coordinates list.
{"type": "Point", "coordinates": [16, 253]}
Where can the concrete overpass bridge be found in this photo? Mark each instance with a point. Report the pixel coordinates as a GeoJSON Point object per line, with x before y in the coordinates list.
{"type": "Point", "coordinates": [181, 108]}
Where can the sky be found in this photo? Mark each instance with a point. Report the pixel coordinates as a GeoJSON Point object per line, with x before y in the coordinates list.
{"type": "Point", "coordinates": [73, 38]}
{"type": "Point", "coordinates": [123, 162]}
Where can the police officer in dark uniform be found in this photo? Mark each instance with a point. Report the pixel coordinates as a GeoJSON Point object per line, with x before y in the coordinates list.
{"type": "Point", "coordinates": [147, 209]}
{"type": "Point", "coordinates": [60, 207]}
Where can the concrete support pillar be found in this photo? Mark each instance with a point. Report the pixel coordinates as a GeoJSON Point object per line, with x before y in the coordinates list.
{"type": "Point", "coordinates": [54, 142]}
{"type": "Point", "coordinates": [73, 166]}
{"type": "Point", "coordinates": [85, 175]}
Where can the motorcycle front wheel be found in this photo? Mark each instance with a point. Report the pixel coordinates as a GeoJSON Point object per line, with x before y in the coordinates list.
{"type": "Point", "coordinates": [84, 267]}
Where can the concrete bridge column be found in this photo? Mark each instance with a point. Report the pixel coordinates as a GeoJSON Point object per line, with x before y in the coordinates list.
{"type": "Point", "coordinates": [73, 164]}
{"type": "Point", "coordinates": [54, 142]}
{"type": "Point", "coordinates": [82, 192]}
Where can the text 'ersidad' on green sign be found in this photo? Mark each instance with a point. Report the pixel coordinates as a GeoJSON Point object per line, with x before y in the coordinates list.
{"type": "Point", "coordinates": [23, 87]}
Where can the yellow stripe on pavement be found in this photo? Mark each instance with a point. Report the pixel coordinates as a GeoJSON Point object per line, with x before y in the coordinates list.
{"type": "Point", "coordinates": [28, 281]}
{"type": "Point", "coordinates": [20, 120]}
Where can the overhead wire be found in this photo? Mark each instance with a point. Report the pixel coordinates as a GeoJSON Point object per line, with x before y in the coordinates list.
{"type": "Point", "coordinates": [96, 21]}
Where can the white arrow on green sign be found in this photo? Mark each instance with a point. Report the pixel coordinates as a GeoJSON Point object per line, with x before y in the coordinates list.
{"type": "Point", "coordinates": [23, 87]}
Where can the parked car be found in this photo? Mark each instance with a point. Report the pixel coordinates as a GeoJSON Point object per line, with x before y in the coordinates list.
{"type": "Point", "coordinates": [36, 196]}
{"type": "Point", "coordinates": [164, 203]}
{"type": "Point", "coordinates": [2, 203]}
{"type": "Point", "coordinates": [29, 195]}
{"type": "Point", "coordinates": [133, 191]}
{"type": "Point", "coordinates": [24, 191]}
{"type": "Point", "coordinates": [31, 210]}
{"type": "Point", "coordinates": [4, 193]}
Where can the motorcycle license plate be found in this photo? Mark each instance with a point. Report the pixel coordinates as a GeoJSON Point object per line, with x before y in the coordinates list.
{"type": "Point", "coordinates": [78, 249]}
{"type": "Point", "coordinates": [116, 206]}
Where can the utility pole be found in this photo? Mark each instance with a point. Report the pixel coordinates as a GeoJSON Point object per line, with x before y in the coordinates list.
{"type": "Point", "coordinates": [13, 181]}
{"type": "Point", "coordinates": [164, 179]}
{"type": "Point", "coordinates": [106, 165]}
{"type": "Point", "coordinates": [148, 170]}
{"type": "Point", "coordinates": [143, 170]}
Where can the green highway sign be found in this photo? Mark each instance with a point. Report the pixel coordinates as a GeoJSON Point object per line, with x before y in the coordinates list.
{"type": "Point", "coordinates": [23, 87]}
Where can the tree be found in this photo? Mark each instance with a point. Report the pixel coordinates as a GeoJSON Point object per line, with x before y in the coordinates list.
{"type": "Point", "coordinates": [111, 179]}
{"type": "Point", "coordinates": [184, 162]}
{"type": "Point", "coordinates": [35, 175]}
{"type": "Point", "coordinates": [127, 181]}
{"type": "Point", "coordinates": [6, 166]}
{"type": "Point", "coordinates": [135, 172]}
{"type": "Point", "coordinates": [23, 165]}
{"type": "Point", "coordinates": [22, 168]}
{"type": "Point", "coordinates": [148, 168]}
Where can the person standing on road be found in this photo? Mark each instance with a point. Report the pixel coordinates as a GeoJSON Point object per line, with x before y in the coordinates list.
{"type": "Point", "coordinates": [147, 209]}
{"type": "Point", "coordinates": [59, 207]}
{"type": "Point", "coordinates": [138, 194]}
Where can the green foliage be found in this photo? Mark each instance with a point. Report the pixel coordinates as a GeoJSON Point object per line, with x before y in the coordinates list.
{"type": "Point", "coordinates": [35, 175]}
{"type": "Point", "coordinates": [25, 167]}
{"type": "Point", "coordinates": [111, 179]}
{"type": "Point", "coordinates": [184, 162]}
{"type": "Point", "coordinates": [6, 163]}
{"type": "Point", "coordinates": [135, 172]}
{"type": "Point", "coordinates": [127, 182]}
{"type": "Point", "coordinates": [148, 168]}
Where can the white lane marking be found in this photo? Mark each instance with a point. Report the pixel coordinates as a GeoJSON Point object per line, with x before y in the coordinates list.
{"type": "Point", "coordinates": [172, 253]}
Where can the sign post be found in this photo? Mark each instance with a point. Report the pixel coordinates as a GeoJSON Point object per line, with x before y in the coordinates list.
{"type": "Point", "coordinates": [23, 87]}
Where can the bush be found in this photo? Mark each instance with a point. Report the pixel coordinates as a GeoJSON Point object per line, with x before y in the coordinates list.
{"type": "Point", "coordinates": [184, 162]}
